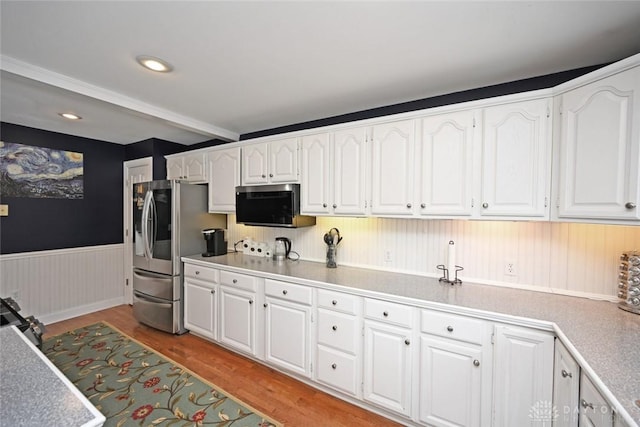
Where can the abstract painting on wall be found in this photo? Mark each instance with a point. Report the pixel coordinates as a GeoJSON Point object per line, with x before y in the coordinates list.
{"type": "Point", "coordinates": [28, 171]}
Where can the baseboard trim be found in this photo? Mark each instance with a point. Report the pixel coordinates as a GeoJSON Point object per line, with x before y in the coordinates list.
{"type": "Point", "coordinates": [81, 310]}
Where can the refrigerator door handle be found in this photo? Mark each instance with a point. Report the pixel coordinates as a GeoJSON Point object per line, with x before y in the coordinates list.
{"type": "Point", "coordinates": [146, 207]}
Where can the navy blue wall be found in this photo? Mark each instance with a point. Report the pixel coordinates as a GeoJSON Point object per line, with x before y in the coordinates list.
{"type": "Point", "coordinates": [40, 224]}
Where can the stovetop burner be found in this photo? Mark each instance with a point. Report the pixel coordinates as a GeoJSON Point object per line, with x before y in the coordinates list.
{"type": "Point", "coordinates": [31, 327]}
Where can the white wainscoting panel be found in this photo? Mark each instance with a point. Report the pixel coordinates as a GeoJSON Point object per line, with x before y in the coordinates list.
{"type": "Point", "coordinates": [567, 258]}
{"type": "Point", "coordinates": [60, 284]}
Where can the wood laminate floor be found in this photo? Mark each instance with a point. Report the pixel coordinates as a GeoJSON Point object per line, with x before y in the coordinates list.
{"type": "Point", "coordinates": [286, 400]}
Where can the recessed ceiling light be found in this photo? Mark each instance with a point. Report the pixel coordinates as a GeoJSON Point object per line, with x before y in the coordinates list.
{"type": "Point", "coordinates": [154, 64]}
{"type": "Point", "coordinates": [70, 116]}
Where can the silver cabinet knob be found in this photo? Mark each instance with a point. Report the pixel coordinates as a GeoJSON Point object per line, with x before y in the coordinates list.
{"type": "Point", "coordinates": [630, 205]}
{"type": "Point", "coordinates": [334, 302]}
{"type": "Point", "coordinates": [423, 205]}
{"type": "Point", "coordinates": [385, 314]}
{"type": "Point", "coordinates": [334, 327]}
{"type": "Point", "coordinates": [450, 328]}
{"type": "Point", "coordinates": [270, 175]}
{"type": "Point", "coordinates": [334, 366]}
{"type": "Point", "coordinates": [408, 205]}
{"type": "Point", "coordinates": [566, 374]}
{"type": "Point", "coordinates": [212, 292]}
{"type": "Point", "coordinates": [284, 292]}
{"type": "Point", "coordinates": [407, 341]}
{"type": "Point", "coordinates": [197, 272]}
{"type": "Point", "coordinates": [324, 205]}
{"type": "Point", "coordinates": [485, 205]}
{"type": "Point", "coordinates": [235, 280]}
{"type": "Point", "coordinates": [476, 362]}
{"type": "Point", "coordinates": [250, 301]}
{"type": "Point", "coordinates": [265, 305]}
{"type": "Point", "coordinates": [264, 176]}
{"type": "Point", "coordinates": [335, 206]}
{"type": "Point", "coordinates": [586, 404]}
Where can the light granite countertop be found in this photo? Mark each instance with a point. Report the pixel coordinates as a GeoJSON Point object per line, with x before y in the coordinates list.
{"type": "Point", "coordinates": [604, 339]}
{"type": "Point", "coordinates": [33, 392]}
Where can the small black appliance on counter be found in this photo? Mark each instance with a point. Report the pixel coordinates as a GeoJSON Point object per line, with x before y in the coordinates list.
{"type": "Point", "coordinates": [216, 245]}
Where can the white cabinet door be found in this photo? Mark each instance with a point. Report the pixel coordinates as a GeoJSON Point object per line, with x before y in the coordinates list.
{"type": "Point", "coordinates": [516, 160]}
{"type": "Point", "coordinates": [350, 171]}
{"type": "Point", "coordinates": [392, 170]}
{"type": "Point", "coordinates": [445, 164]}
{"type": "Point", "coordinates": [224, 176]}
{"type": "Point", "coordinates": [599, 175]}
{"type": "Point", "coordinates": [237, 319]}
{"type": "Point", "coordinates": [195, 167]}
{"type": "Point", "coordinates": [387, 366]}
{"type": "Point", "coordinates": [566, 387]}
{"type": "Point", "coordinates": [595, 411]}
{"type": "Point", "coordinates": [523, 377]}
{"type": "Point", "coordinates": [287, 335]}
{"type": "Point", "coordinates": [175, 168]}
{"type": "Point", "coordinates": [315, 186]}
{"type": "Point", "coordinates": [255, 164]}
{"type": "Point", "coordinates": [450, 382]}
{"type": "Point", "coordinates": [200, 303]}
{"type": "Point", "coordinates": [283, 161]}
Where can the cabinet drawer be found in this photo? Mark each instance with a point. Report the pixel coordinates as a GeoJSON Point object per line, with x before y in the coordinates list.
{"type": "Point", "coordinates": [338, 330]}
{"type": "Point", "coordinates": [338, 370]}
{"type": "Point", "coordinates": [338, 301]}
{"type": "Point", "coordinates": [238, 280]}
{"type": "Point", "coordinates": [288, 291]}
{"type": "Point", "coordinates": [202, 273]}
{"type": "Point", "coordinates": [389, 312]}
{"type": "Point", "coordinates": [453, 326]}
{"type": "Point", "coordinates": [594, 409]}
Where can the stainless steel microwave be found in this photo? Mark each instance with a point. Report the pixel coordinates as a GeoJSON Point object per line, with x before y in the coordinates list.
{"type": "Point", "coordinates": [271, 206]}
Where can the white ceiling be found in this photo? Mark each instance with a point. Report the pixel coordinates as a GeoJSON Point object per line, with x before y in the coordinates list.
{"type": "Point", "coordinates": [243, 66]}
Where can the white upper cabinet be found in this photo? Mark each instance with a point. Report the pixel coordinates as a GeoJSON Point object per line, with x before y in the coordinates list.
{"type": "Point", "coordinates": [599, 147]}
{"type": "Point", "coordinates": [516, 160]}
{"type": "Point", "coordinates": [350, 166]}
{"type": "Point", "coordinates": [444, 164]}
{"type": "Point", "coordinates": [224, 176]}
{"type": "Point", "coordinates": [392, 170]}
{"type": "Point", "coordinates": [316, 196]}
{"type": "Point", "coordinates": [270, 162]}
{"type": "Point", "coordinates": [187, 167]}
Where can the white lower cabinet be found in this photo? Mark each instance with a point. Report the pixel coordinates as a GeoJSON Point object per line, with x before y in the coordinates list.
{"type": "Point", "coordinates": [238, 311]}
{"type": "Point", "coordinates": [455, 371]}
{"type": "Point", "coordinates": [595, 411]}
{"type": "Point", "coordinates": [388, 355]}
{"type": "Point", "coordinates": [287, 326]}
{"type": "Point", "coordinates": [523, 377]}
{"type": "Point", "coordinates": [201, 300]}
{"type": "Point", "coordinates": [566, 388]}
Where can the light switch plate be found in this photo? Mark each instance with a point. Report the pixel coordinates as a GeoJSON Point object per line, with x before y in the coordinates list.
{"type": "Point", "coordinates": [4, 210]}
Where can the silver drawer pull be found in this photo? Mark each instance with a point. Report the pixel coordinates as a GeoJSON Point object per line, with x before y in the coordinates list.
{"type": "Point", "coordinates": [407, 341]}
{"type": "Point", "coordinates": [385, 314]}
{"type": "Point", "coordinates": [566, 374]}
{"type": "Point", "coordinates": [284, 292]}
{"type": "Point", "coordinates": [265, 305]}
{"type": "Point", "coordinates": [334, 327]}
{"type": "Point", "coordinates": [334, 366]}
{"type": "Point", "coordinates": [586, 404]}
{"type": "Point", "coordinates": [485, 205]}
{"type": "Point", "coordinates": [197, 272]}
{"type": "Point", "coordinates": [630, 205]}
{"type": "Point", "coordinates": [334, 302]}
{"type": "Point", "coordinates": [213, 292]}
{"type": "Point", "coordinates": [476, 362]}
{"type": "Point", "coordinates": [235, 280]}
{"type": "Point", "coordinates": [450, 328]}
{"type": "Point", "coordinates": [250, 301]}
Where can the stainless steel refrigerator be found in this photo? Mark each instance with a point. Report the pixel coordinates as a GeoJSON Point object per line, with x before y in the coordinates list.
{"type": "Point", "coordinates": [168, 219]}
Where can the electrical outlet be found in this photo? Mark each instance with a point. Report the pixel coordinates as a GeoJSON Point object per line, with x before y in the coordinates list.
{"type": "Point", "coordinates": [510, 269]}
{"type": "Point", "coordinates": [388, 256]}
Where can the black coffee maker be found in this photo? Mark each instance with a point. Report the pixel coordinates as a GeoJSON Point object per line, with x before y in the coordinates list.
{"type": "Point", "coordinates": [216, 245]}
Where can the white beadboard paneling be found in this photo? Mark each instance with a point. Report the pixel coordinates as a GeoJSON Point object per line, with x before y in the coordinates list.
{"type": "Point", "coordinates": [73, 281]}
{"type": "Point", "coordinates": [574, 259]}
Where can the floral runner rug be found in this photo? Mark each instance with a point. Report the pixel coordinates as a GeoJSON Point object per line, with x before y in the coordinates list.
{"type": "Point", "coordinates": [132, 385]}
